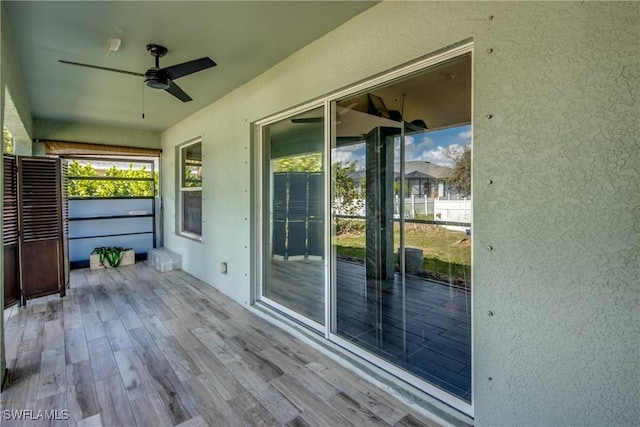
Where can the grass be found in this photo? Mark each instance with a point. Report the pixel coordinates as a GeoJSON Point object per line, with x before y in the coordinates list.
{"type": "Point", "coordinates": [447, 254]}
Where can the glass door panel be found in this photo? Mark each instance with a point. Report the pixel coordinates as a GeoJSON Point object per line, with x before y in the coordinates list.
{"type": "Point", "coordinates": [294, 278]}
{"type": "Point", "coordinates": [401, 221]}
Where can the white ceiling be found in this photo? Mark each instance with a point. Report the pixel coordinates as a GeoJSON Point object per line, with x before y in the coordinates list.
{"type": "Point", "coordinates": [245, 38]}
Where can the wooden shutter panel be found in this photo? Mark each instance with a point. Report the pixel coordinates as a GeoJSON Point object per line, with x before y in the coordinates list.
{"type": "Point", "coordinates": [40, 225]}
{"type": "Point", "coordinates": [64, 193]}
{"type": "Point", "coordinates": [10, 231]}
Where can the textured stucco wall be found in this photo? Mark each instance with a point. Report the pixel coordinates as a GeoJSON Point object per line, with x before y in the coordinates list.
{"type": "Point", "coordinates": [20, 116]}
{"type": "Point", "coordinates": [561, 148]}
{"type": "Point", "coordinates": [13, 79]}
{"type": "Point", "coordinates": [58, 130]}
{"type": "Point", "coordinates": [562, 215]}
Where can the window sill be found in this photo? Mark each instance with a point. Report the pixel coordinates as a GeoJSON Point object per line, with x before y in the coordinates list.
{"type": "Point", "coordinates": [190, 236]}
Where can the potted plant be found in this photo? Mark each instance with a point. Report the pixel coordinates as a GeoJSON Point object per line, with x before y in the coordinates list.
{"type": "Point", "coordinates": [111, 256]}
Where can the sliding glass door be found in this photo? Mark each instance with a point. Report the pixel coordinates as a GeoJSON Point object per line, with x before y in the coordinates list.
{"type": "Point", "coordinates": [402, 226]}
{"type": "Point", "coordinates": [390, 170]}
{"type": "Point", "coordinates": [294, 259]}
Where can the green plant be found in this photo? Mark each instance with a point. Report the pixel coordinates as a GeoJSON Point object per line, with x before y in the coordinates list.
{"type": "Point", "coordinates": [113, 255]}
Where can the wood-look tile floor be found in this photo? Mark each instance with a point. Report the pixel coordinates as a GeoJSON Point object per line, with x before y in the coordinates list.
{"type": "Point", "coordinates": [131, 346]}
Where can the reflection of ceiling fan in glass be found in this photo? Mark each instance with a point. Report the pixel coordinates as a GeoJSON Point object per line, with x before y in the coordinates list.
{"type": "Point", "coordinates": [310, 120]}
{"type": "Point", "coordinates": [307, 120]}
{"type": "Point", "coordinates": [370, 105]}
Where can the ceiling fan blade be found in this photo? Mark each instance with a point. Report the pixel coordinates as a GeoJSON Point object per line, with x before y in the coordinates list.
{"type": "Point", "coordinates": [101, 68]}
{"type": "Point", "coordinates": [190, 67]}
{"type": "Point", "coordinates": [308, 120]}
{"type": "Point", "coordinates": [175, 90]}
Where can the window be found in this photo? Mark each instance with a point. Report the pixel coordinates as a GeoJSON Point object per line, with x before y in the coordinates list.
{"type": "Point", "coordinates": [111, 203]}
{"type": "Point", "coordinates": [190, 198]}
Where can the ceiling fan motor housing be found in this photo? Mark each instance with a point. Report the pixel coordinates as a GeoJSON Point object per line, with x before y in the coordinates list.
{"type": "Point", "coordinates": [156, 80]}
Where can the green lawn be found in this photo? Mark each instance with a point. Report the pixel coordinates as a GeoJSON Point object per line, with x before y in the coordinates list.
{"type": "Point", "coordinates": [447, 254]}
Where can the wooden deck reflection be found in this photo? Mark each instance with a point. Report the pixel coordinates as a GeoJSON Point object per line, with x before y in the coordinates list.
{"type": "Point", "coordinates": [425, 329]}
{"type": "Point", "coordinates": [131, 346]}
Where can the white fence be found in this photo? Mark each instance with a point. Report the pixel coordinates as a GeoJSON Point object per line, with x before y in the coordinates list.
{"type": "Point", "coordinates": [415, 207]}
{"type": "Point", "coordinates": [453, 211]}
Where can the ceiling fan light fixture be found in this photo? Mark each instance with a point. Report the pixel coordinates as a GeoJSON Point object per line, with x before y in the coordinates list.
{"type": "Point", "coordinates": [157, 83]}
{"type": "Point", "coordinates": [156, 79]}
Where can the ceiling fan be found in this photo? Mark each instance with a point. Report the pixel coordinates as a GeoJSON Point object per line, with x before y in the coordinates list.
{"type": "Point", "coordinates": [162, 78]}
{"type": "Point", "coordinates": [310, 120]}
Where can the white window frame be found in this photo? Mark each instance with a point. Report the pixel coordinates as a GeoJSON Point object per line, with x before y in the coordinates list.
{"type": "Point", "coordinates": [180, 149]}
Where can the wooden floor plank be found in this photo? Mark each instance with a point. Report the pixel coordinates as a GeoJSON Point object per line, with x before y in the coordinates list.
{"type": "Point", "coordinates": [214, 371]}
{"type": "Point", "coordinates": [307, 402]}
{"type": "Point", "coordinates": [21, 393]}
{"type": "Point", "coordinates": [117, 334]}
{"type": "Point", "coordinates": [75, 342]}
{"type": "Point", "coordinates": [103, 364]}
{"type": "Point", "coordinates": [128, 316]}
{"type": "Point", "coordinates": [155, 326]}
{"type": "Point", "coordinates": [35, 324]}
{"type": "Point", "coordinates": [81, 394]}
{"type": "Point", "coordinates": [198, 421]}
{"type": "Point", "coordinates": [163, 378]}
{"type": "Point", "coordinates": [131, 346]}
{"type": "Point", "coordinates": [310, 380]}
{"type": "Point", "coordinates": [87, 303]}
{"type": "Point", "coordinates": [72, 314]}
{"type": "Point", "coordinates": [105, 306]}
{"type": "Point", "coordinates": [216, 345]}
{"type": "Point", "coordinates": [281, 408]}
{"type": "Point", "coordinates": [115, 409]}
{"type": "Point", "coordinates": [180, 361]}
{"type": "Point", "coordinates": [149, 411]}
{"type": "Point", "coordinates": [361, 392]}
{"type": "Point", "coordinates": [53, 334]}
{"type": "Point", "coordinates": [163, 312]}
{"type": "Point", "coordinates": [52, 408]}
{"type": "Point", "coordinates": [353, 411]}
{"type": "Point", "coordinates": [52, 373]}
{"type": "Point", "coordinates": [213, 408]}
{"type": "Point", "coordinates": [251, 411]}
{"type": "Point", "coordinates": [28, 358]}
{"type": "Point", "coordinates": [133, 373]}
{"type": "Point", "coordinates": [93, 421]}
{"type": "Point", "coordinates": [92, 325]}
{"type": "Point", "coordinates": [183, 334]}
{"type": "Point", "coordinates": [411, 421]}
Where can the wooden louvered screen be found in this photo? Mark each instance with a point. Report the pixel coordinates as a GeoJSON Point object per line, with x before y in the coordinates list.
{"type": "Point", "coordinates": [39, 197]}
{"type": "Point", "coordinates": [10, 231]}
{"type": "Point", "coordinates": [64, 192]}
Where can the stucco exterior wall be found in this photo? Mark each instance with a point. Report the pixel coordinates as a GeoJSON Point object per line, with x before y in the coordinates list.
{"type": "Point", "coordinates": [561, 84]}
{"type": "Point", "coordinates": [11, 83]}
{"type": "Point", "coordinates": [13, 79]}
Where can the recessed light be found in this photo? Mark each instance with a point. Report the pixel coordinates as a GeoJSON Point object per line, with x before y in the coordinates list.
{"type": "Point", "coordinates": [113, 45]}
